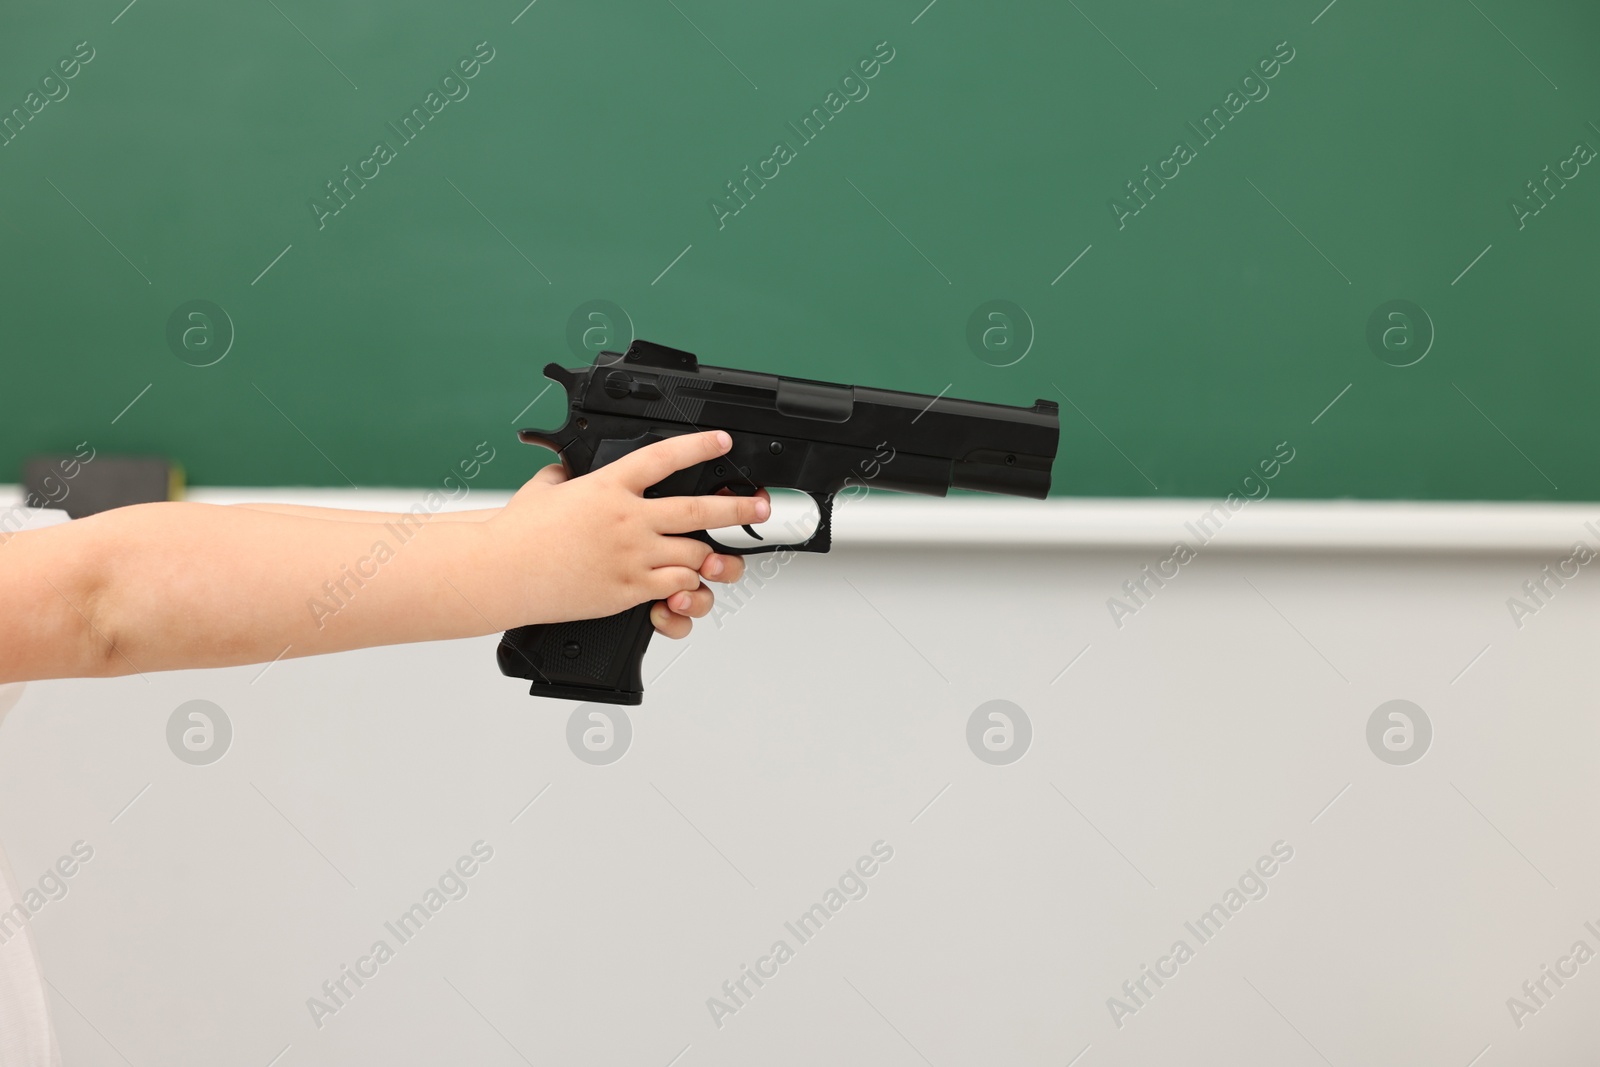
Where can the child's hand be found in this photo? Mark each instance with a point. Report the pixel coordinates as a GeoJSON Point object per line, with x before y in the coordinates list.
{"type": "Point", "coordinates": [153, 587]}
{"type": "Point", "coordinates": [614, 547]}
{"type": "Point", "coordinates": [672, 616]}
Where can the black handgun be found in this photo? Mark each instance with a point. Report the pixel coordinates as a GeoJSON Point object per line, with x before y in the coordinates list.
{"type": "Point", "coordinates": [787, 433]}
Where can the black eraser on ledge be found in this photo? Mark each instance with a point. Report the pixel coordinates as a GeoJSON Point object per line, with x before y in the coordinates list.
{"type": "Point", "coordinates": [85, 483]}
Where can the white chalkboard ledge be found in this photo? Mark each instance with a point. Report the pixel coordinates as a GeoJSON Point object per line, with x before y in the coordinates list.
{"type": "Point", "coordinates": [895, 519]}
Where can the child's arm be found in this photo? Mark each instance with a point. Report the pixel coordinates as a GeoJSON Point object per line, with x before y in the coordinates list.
{"type": "Point", "coordinates": [670, 617]}
{"type": "Point", "coordinates": [166, 586]}
{"type": "Point", "coordinates": [307, 511]}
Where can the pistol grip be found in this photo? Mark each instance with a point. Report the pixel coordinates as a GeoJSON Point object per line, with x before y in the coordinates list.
{"type": "Point", "coordinates": [590, 659]}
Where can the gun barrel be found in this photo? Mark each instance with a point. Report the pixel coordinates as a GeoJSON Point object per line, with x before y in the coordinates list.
{"type": "Point", "coordinates": [991, 448]}
{"type": "Point", "coordinates": [939, 442]}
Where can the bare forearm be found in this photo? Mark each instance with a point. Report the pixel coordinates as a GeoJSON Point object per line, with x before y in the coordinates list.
{"type": "Point", "coordinates": [176, 585]}
{"type": "Point", "coordinates": [349, 515]}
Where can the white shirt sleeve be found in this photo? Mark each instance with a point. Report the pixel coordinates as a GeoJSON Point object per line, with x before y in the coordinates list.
{"type": "Point", "coordinates": [26, 1036]}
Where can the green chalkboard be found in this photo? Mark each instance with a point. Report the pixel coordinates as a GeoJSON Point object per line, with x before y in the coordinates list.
{"type": "Point", "coordinates": [1196, 226]}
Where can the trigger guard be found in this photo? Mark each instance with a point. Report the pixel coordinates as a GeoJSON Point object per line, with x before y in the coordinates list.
{"type": "Point", "coordinates": [821, 539]}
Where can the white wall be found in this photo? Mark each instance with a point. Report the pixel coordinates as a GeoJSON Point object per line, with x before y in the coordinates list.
{"type": "Point", "coordinates": [828, 713]}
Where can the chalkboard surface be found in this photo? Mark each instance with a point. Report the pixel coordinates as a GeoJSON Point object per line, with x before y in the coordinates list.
{"type": "Point", "coordinates": [284, 242]}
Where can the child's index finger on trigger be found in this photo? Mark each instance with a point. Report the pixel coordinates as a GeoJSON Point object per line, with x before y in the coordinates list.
{"type": "Point", "coordinates": [654, 462]}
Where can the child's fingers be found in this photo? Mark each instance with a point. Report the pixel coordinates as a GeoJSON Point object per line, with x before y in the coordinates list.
{"type": "Point", "coordinates": [665, 581]}
{"type": "Point", "coordinates": [695, 605]}
{"type": "Point", "coordinates": [681, 552]}
{"type": "Point", "coordinates": [762, 493]}
{"type": "Point", "coordinates": [669, 624]}
{"type": "Point", "coordinates": [641, 469]}
{"type": "Point", "coordinates": [721, 568]}
{"type": "Point", "coordinates": [681, 514]}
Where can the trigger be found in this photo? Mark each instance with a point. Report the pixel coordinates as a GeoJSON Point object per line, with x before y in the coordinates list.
{"type": "Point", "coordinates": [746, 490]}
